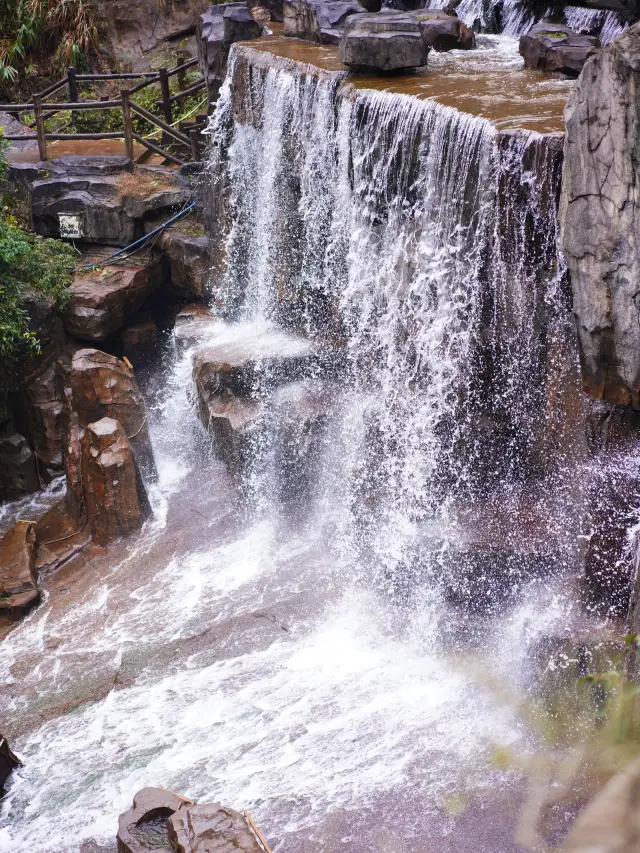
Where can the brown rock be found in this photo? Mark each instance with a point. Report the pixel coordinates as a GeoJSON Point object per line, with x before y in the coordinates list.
{"type": "Point", "coordinates": [445, 32]}
{"type": "Point", "coordinates": [103, 386]}
{"type": "Point", "coordinates": [144, 827]}
{"type": "Point", "coordinates": [115, 500]}
{"type": "Point", "coordinates": [18, 579]}
{"type": "Point", "coordinates": [139, 335]}
{"type": "Point", "coordinates": [188, 255]}
{"type": "Point", "coordinates": [102, 300]}
{"type": "Point", "coordinates": [8, 761]}
{"type": "Point", "coordinates": [210, 828]}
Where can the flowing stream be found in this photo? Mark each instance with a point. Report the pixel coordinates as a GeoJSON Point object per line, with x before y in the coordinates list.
{"type": "Point", "coordinates": [336, 638]}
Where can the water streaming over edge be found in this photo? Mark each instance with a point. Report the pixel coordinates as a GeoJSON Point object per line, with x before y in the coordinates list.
{"type": "Point", "coordinates": [275, 664]}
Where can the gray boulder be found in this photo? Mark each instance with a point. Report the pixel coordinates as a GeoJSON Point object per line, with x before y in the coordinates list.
{"type": "Point", "coordinates": [18, 465]}
{"type": "Point", "coordinates": [600, 218]}
{"type": "Point", "coordinates": [554, 47]}
{"type": "Point", "coordinates": [218, 28]}
{"type": "Point", "coordinates": [321, 21]}
{"type": "Point", "coordinates": [387, 41]}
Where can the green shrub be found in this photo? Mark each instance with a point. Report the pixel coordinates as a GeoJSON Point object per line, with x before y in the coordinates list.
{"type": "Point", "coordinates": [30, 266]}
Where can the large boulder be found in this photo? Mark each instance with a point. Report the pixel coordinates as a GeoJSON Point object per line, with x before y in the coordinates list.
{"type": "Point", "coordinates": [103, 386]}
{"type": "Point", "coordinates": [42, 411]}
{"type": "Point", "coordinates": [218, 28]}
{"type": "Point", "coordinates": [600, 218]}
{"type": "Point", "coordinates": [444, 32]}
{"type": "Point", "coordinates": [163, 822]}
{"type": "Point", "coordinates": [18, 578]}
{"type": "Point", "coordinates": [554, 47]}
{"type": "Point", "coordinates": [18, 465]}
{"type": "Point", "coordinates": [186, 247]}
{"type": "Point", "coordinates": [144, 826]}
{"type": "Point", "coordinates": [320, 21]}
{"type": "Point", "coordinates": [115, 498]}
{"type": "Point", "coordinates": [104, 298]}
{"type": "Point", "coordinates": [388, 41]}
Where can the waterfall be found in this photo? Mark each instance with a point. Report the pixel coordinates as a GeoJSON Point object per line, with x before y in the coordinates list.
{"type": "Point", "coordinates": [422, 239]}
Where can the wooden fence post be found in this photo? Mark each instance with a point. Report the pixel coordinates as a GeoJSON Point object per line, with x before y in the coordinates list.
{"type": "Point", "coordinates": [165, 102]}
{"type": "Point", "coordinates": [73, 85]}
{"type": "Point", "coordinates": [42, 140]}
{"type": "Point", "coordinates": [128, 129]}
{"type": "Point", "coordinates": [182, 58]}
{"type": "Point", "coordinates": [194, 133]}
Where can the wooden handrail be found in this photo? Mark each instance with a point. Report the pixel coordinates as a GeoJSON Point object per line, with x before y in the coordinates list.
{"type": "Point", "coordinates": [136, 108]}
{"type": "Point", "coordinates": [178, 68]}
{"type": "Point", "coordinates": [199, 85]}
{"type": "Point", "coordinates": [158, 150]}
{"type": "Point", "coordinates": [115, 134]}
{"type": "Point", "coordinates": [127, 76]}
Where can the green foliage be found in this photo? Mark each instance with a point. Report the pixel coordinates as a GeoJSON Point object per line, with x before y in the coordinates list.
{"type": "Point", "coordinates": [30, 267]}
{"type": "Point", "coordinates": [57, 33]}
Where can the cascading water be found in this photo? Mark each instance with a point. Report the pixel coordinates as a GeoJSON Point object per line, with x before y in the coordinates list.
{"type": "Point", "coordinates": [266, 658]}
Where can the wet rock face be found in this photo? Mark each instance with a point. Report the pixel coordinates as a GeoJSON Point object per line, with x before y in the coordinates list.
{"type": "Point", "coordinates": [103, 299]}
{"type": "Point", "coordinates": [115, 500]}
{"type": "Point", "coordinates": [8, 762]}
{"type": "Point", "coordinates": [18, 465]}
{"type": "Point", "coordinates": [103, 386]}
{"type": "Point", "coordinates": [18, 578]}
{"type": "Point", "coordinates": [188, 256]}
{"type": "Point", "coordinates": [163, 822]}
{"type": "Point", "coordinates": [388, 41]}
{"type": "Point", "coordinates": [44, 412]}
{"type": "Point", "coordinates": [218, 28]}
{"type": "Point", "coordinates": [444, 32]}
{"type": "Point", "coordinates": [321, 21]}
{"type": "Point", "coordinates": [600, 218]}
{"type": "Point", "coordinates": [554, 47]}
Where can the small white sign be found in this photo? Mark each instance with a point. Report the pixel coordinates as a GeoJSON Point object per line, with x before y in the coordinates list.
{"type": "Point", "coordinates": [70, 226]}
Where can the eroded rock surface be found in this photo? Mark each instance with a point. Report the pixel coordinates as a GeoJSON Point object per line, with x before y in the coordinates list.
{"type": "Point", "coordinates": [187, 250]}
{"type": "Point", "coordinates": [44, 411]}
{"type": "Point", "coordinates": [163, 822]}
{"type": "Point", "coordinates": [8, 761]}
{"type": "Point", "coordinates": [103, 299]}
{"type": "Point", "coordinates": [556, 48]}
{"type": "Point", "coordinates": [115, 499]}
{"type": "Point", "coordinates": [320, 21]}
{"type": "Point", "coordinates": [103, 386]}
{"type": "Point", "coordinates": [384, 42]}
{"type": "Point", "coordinates": [18, 578]}
{"type": "Point", "coordinates": [600, 218]}
{"type": "Point", "coordinates": [18, 465]}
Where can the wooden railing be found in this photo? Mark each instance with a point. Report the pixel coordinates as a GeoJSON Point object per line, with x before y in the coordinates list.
{"type": "Point", "coordinates": [177, 145]}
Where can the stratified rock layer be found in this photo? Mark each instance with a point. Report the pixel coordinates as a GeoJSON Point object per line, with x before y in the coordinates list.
{"type": "Point", "coordinates": [387, 41]}
{"type": "Point", "coordinates": [600, 217]}
{"type": "Point", "coordinates": [115, 499]}
{"type": "Point", "coordinates": [102, 299]}
{"type": "Point", "coordinates": [18, 578]}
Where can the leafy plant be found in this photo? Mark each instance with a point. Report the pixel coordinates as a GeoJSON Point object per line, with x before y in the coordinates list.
{"type": "Point", "coordinates": [30, 267]}
{"type": "Point", "coordinates": [54, 33]}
